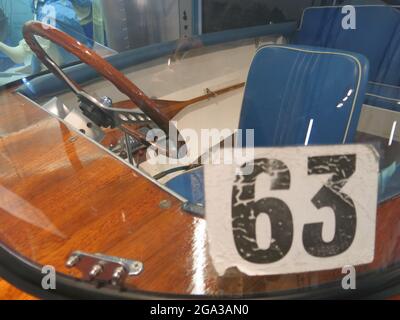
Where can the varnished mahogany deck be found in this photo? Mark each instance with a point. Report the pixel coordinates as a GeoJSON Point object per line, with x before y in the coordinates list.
{"type": "Point", "coordinates": [60, 193]}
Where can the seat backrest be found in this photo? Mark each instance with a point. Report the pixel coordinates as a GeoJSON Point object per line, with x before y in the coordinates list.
{"type": "Point", "coordinates": [298, 95]}
{"type": "Point", "coordinates": [376, 36]}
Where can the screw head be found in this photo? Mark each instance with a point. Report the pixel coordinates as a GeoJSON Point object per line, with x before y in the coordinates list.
{"type": "Point", "coordinates": [95, 271]}
{"type": "Point", "coordinates": [135, 268]}
{"type": "Point", "coordinates": [117, 275]}
{"type": "Point", "coordinates": [165, 204]}
{"type": "Point", "coordinates": [106, 101]}
{"type": "Point", "coordinates": [72, 261]}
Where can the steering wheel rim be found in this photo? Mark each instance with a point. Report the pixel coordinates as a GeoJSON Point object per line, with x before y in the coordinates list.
{"type": "Point", "coordinates": [92, 59]}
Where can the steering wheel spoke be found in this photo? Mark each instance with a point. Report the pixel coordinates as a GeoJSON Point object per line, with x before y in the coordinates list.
{"type": "Point", "coordinates": [110, 117]}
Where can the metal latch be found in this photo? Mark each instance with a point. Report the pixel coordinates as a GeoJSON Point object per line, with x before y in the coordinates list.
{"type": "Point", "coordinates": [102, 268]}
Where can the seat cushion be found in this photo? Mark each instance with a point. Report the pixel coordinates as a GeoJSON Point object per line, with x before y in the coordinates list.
{"type": "Point", "coordinates": [292, 88]}
{"type": "Point", "coordinates": [377, 36]}
{"type": "Point", "coordinates": [383, 96]}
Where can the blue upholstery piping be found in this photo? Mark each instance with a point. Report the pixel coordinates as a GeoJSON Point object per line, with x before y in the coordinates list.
{"type": "Point", "coordinates": [383, 96]}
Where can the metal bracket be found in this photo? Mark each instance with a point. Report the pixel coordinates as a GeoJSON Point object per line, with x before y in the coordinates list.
{"type": "Point", "coordinates": [104, 269]}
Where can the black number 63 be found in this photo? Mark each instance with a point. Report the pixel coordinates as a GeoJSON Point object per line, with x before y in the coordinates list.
{"type": "Point", "coordinates": [245, 210]}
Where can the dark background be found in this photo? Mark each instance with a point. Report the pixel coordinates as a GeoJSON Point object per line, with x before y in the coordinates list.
{"type": "Point", "coordinates": [221, 15]}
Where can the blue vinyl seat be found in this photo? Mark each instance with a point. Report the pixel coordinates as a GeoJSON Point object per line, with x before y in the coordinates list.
{"type": "Point", "coordinates": [383, 95]}
{"type": "Point", "coordinates": [292, 91]}
{"type": "Point", "coordinates": [377, 37]}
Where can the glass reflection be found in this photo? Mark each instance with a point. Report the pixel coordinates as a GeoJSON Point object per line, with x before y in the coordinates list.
{"type": "Point", "coordinates": [14, 205]}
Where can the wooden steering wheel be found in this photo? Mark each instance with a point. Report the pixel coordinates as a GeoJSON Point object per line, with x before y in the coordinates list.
{"type": "Point", "coordinates": [91, 58]}
{"type": "Point", "coordinates": [159, 111]}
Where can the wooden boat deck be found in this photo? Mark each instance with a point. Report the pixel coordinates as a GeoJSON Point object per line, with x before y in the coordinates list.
{"type": "Point", "coordinates": [60, 193]}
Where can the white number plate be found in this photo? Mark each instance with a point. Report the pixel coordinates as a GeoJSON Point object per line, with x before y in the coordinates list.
{"type": "Point", "coordinates": [299, 210]}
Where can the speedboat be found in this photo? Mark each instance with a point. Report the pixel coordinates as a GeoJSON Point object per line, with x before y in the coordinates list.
{"type": "Point", "coordinates": [108, 174]}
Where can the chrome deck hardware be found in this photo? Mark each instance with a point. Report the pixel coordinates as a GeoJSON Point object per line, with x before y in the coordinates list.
{"type": "Point", "coordinates": [104, 269]}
